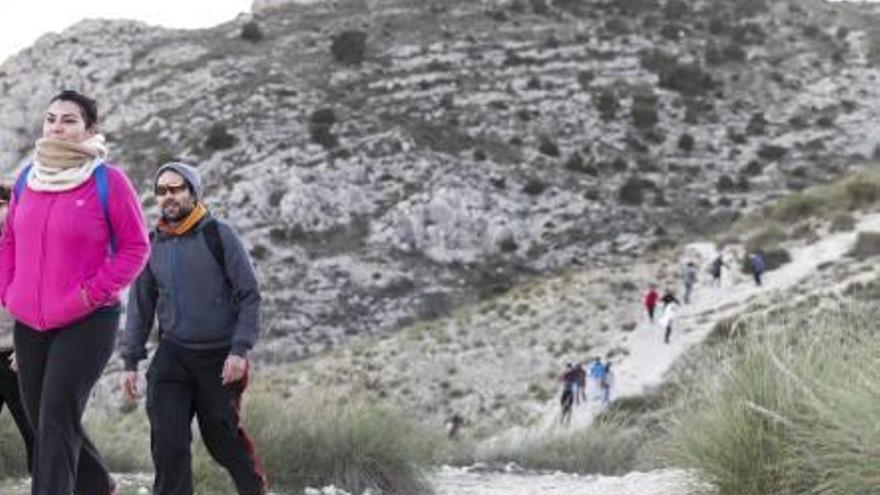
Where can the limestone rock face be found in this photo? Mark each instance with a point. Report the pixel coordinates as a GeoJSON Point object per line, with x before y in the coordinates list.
{"type": "Point", "coordinates": [389, 160]}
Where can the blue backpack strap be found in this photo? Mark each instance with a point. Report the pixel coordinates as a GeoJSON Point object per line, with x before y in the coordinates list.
{"type": "Point", "coordinates": [104, 196]}
{"type": "Point", "coordinates": [21, 182]}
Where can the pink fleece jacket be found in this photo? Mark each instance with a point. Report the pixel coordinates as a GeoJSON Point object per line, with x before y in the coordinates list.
{"type": "Point", "coordinates": [55, 248]}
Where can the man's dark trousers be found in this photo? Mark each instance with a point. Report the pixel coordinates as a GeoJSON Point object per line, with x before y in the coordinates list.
{"type": "Point", "coordinates": [181, 383]}
{"type": "Point", "coordinates": [10, 396]}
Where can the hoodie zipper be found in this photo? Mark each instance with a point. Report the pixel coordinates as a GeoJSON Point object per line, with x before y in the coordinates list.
{"type": "Point", "coordinates": [42, 271]}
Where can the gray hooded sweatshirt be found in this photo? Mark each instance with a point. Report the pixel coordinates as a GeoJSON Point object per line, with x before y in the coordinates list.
{"type": "Point", "coordinates": [200, 305]}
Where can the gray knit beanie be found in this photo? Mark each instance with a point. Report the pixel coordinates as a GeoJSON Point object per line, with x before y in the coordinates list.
{"type": "Point", "coordinates": [189, 173]}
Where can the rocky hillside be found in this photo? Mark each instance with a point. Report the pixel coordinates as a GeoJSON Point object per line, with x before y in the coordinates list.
{"type": "Point", "coordinates": [391, 160]}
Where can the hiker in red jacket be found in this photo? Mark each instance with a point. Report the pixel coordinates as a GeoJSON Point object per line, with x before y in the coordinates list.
{"type": "Point", "coordinates": [650, 300]}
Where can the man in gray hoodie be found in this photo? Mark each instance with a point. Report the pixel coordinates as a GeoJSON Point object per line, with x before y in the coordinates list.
{"type": "Point", "coordinates": [202, 286]}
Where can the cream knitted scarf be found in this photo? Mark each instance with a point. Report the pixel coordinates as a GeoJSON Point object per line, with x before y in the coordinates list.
{"type": "Point", "coordinates": [64, 165]}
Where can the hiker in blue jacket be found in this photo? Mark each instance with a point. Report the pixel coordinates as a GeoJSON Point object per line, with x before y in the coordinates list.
{"type": "Point", "coordinates": [201, 285]}
{"type": "Point", "coordinates": [597, 375]}
{"type": "Point", "coordinates": [757, 264]}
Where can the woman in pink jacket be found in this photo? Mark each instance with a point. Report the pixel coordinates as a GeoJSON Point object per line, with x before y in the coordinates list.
{"type": "Point", "coordinates": [74, 238]}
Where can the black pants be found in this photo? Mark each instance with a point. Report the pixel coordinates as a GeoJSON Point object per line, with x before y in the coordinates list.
{"type": "Point", "coordinates": [668, 332]}
{"type": "Point", "coordinates": [57, 370]}
{"type": "Point", "coordinates": [182, 383]}
{"type": "Point", "coordinates": [10, 396]}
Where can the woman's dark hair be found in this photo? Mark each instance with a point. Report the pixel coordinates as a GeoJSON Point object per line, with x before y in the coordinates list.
{"type": "Point", "coordinates": [87, 106]}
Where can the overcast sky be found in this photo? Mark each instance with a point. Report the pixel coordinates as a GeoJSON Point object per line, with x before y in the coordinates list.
{"type": "Point", "coordinates": [22, 24]}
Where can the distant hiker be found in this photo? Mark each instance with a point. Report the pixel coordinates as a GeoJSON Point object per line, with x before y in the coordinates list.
{"type": "Point", "coordinates": [670, 308]}
{"type": "Point", "coordinates": [650, 301]}
{"type": "Point", "coordinates": [715, 269]}
{"type": "Point", "coordinates": [453, 425]}
{"type": "Point", "coordinates": [566, 400]}
{"type": "Point", "coordinates": [569, 376]}
{"type": "Point", "coordinates": [9, 394]}
{"type": "Point", "coordinates": [580, 383]}
{"type": "Point", "coordinates": [690, 279]}
{"type": "Point", "coordinates": [756, 262]}
{"type": "Point", "coordinates": [597, 375]}
{"type": "Point", "coordinates": [606, 383]}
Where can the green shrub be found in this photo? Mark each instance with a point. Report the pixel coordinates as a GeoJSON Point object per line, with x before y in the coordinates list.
{"type": "Point", "coordinates": [862, 192]}
{"type": "Point", "coordinates": [607, 447]}
{"type": "Point", "coordinates": [770, 236]}
{"type": "Point", "coordinates": [312, 440]}
{"type": "Point", "coordinates": [792, 410]}
{"type": "Point", "coordinates": [843, 222]}
{"type": "Point", "coordinates": [318, 440]}
{"type": "Point", "coordinates": [797, 207]}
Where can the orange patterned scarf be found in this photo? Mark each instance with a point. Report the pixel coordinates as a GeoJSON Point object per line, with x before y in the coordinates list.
{"type": "Point", "coordinates": [198, 213]}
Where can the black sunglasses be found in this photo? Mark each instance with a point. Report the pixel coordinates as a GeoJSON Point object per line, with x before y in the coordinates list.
{"type": "Point", "coordinates": [162, 190]}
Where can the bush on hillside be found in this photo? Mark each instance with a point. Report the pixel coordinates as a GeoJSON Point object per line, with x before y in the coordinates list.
{"type": "Point", "coordinates": [320, 124]}
{"type": "Point", "coordinates": [576, 163]}
{"type": "Point", "coordinates": [687, 79]}
{"type": "Point", "coordinates": [686, 142]}
{"type": "Point", "coordinates": [772, 152]}
{"type": "Point", "coordinates": [723, 54]}
{"type": "Point", "coordinates": [547, 146]}
{"type": "Point", "coordinates": [534, 187]}
{"type": "Point", "coordinates": [862, 192]}
{"type": "Point", "coordinates": [725, 183]}
{"type": "Point", "coordinates": [252, 32]}
{"type": "Point", "coordinates": [676, 9]}
{"type": "Point", "coordinates": [219, 138]}
{"type": "Point", "coordinates": [631, 192]}
{"type": "Point", "coordinates": [644, 110]}
{"type": "Point", "coordinates": [757, 124]}
{"type": "Point", "coordinates": [349, 47]}
{"type": "Point", "coordinates": [768, 237]}
{"type": "Point", "coordinates": [797, 207]}
{"type": "Point", "coordinates": [607, 103]}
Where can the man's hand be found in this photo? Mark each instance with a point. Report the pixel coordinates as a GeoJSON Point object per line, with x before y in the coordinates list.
{"type": "Point", "coordinates": [233, 369]}
{"type": "Point", "coordinates": [129, 384]}
{"type": "Point", "coordinates": [13, 364]}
